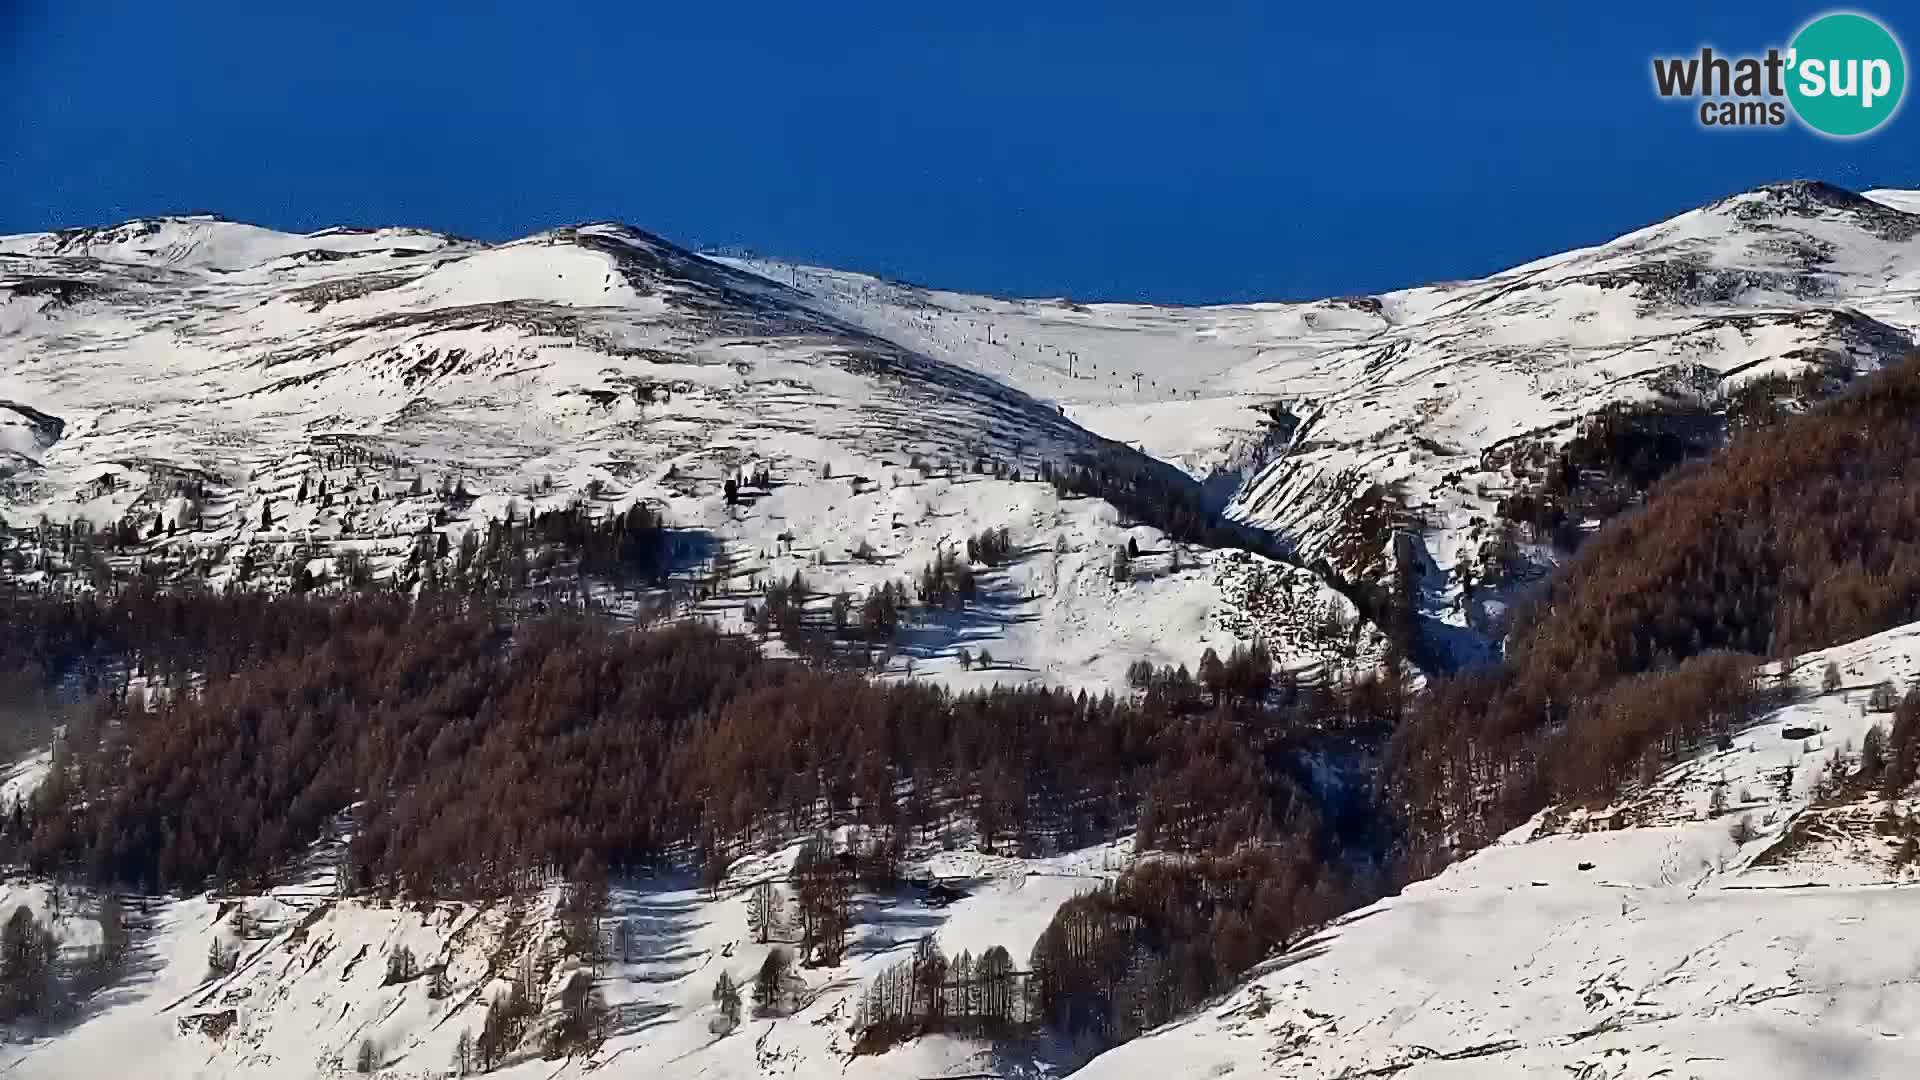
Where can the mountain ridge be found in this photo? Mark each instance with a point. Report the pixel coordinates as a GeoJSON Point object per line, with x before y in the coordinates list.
{"type": "Point", "coordinates": [595, 363]}
{"type": "Point", "coordinates": [227, 408]}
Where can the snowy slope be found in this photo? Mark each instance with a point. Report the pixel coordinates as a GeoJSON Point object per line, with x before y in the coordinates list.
{"type": "Point", "coordinates": [1639, 940]}
{"type": "Point", "coordinates": [595, 363]}
{"type": "Point", "coordinates": [1723, 921]}
{"type": "Point", "coordinates": [311, 982]}
{"type": "Point", "coordinates": [1291, 411]}
{"type": "Point", "coordinates": [599, 359]}
{"type": "Point", "coordinates": [601, 363]}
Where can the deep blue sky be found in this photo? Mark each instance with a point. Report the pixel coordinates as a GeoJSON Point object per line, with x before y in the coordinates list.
{"type": "Point", "coordinates": [1104, 149]}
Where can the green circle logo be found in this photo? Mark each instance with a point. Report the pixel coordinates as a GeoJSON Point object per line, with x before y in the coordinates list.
{"type": "Point", "coordinates": [1848, 74]}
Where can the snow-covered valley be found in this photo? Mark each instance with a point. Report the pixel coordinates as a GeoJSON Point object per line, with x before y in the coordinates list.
{"type": "Point", "coordinates": [1735, 917]}
{"type": "Point", "coordinates": [237, 405]}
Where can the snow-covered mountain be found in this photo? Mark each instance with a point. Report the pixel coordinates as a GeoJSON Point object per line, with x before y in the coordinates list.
{"type": "Point", "coordinates": [1290, 412]}
{"type": "Point", "coordinates": [597, 363]}
{"type": "Point", "coordinates": [196, 375]}
{"type": "Point", "coordinates": [602, 360]}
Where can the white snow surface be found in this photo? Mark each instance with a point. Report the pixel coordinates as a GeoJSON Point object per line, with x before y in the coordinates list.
{"type": "Point", "coordinates": [620, 368]}
{"type": "Point", "coordinates": [598, 355]}
{"type": "Point", "coordinates": [593, 363]}
{"type": "Point", "coordinates": [1288, 411]}
{"type": "Point", "coordinates": [311, 980]}
{"type": "Point", "coordinates": [1658, 948]}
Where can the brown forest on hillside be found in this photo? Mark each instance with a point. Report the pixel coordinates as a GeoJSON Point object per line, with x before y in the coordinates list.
{"type": "Point", "coordinates": [461, 749]}
{"type": "Point", "coordinates": [463, 736]}
{"type": "Point", "coordinates": [231, 731]}
{"type": "Point", "coordinates": [1798, 536]}
{"type": "Point", "coordinates": [477, 722]}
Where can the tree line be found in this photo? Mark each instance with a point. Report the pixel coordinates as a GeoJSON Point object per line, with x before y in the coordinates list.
{"type": "Point", "coordinates": [231, 729]}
